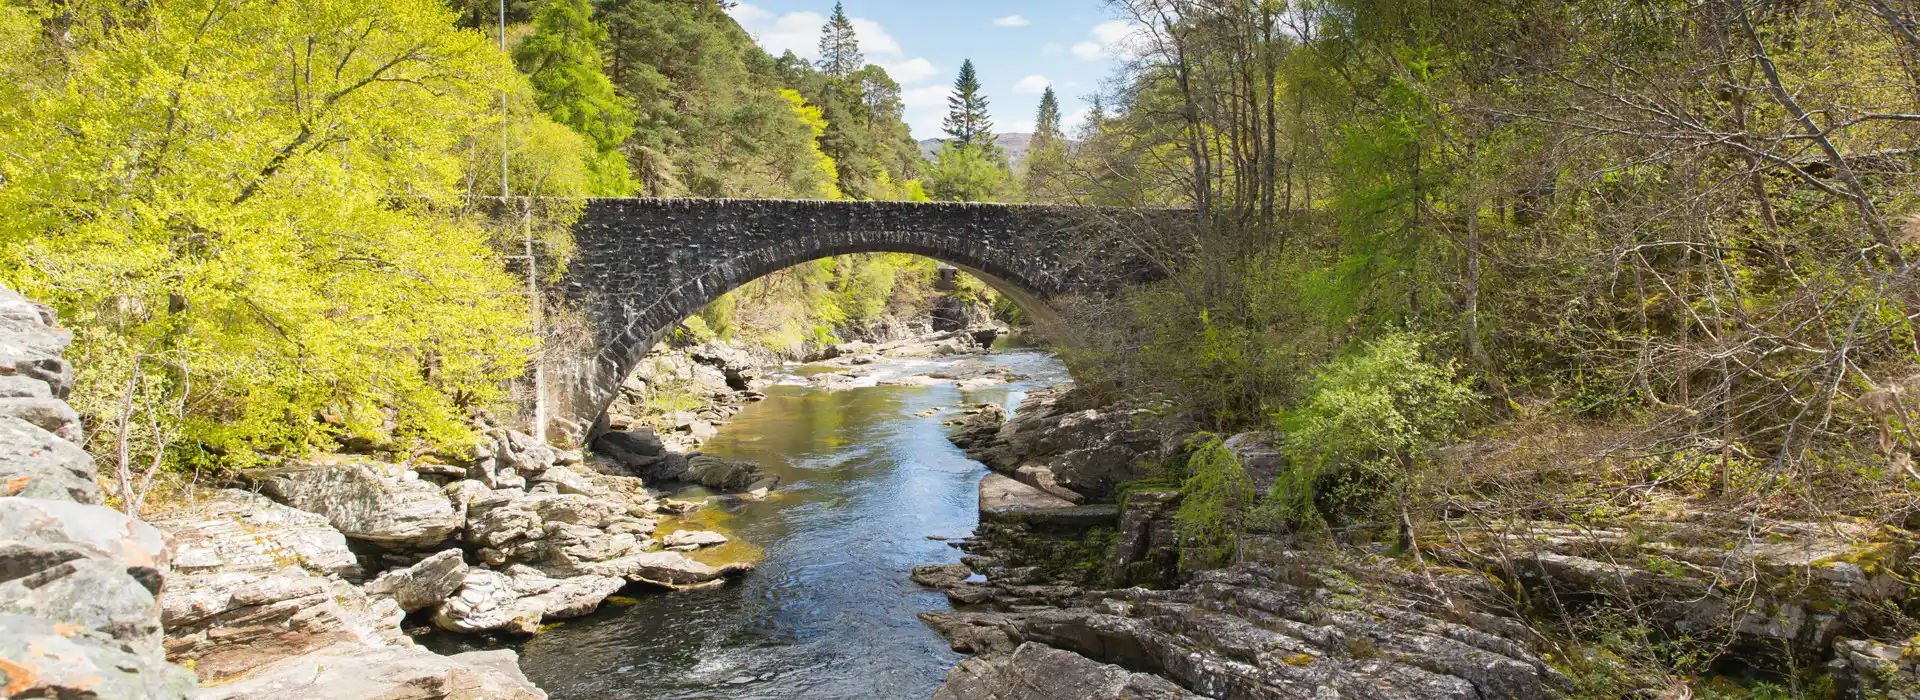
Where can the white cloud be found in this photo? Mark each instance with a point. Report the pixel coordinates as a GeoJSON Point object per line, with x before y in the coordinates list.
{"type": "Point", "coordinates": [1072, 122]}
{"type": "Point", "coordinates": [1113, 31]}
{"type": "Point", "coordinates": [1012, 21]}
{"type": "Point", "coordinates": [874, 39]}
{"type": "Point", "coordinates": [910, 71]}
{"type": "Point", "coordinates": [1032, 84]}
{"type": "Point", "coordinates": [1111, 39]}
{"type": "Point", "coordinates": [927, 96]}
{"type": "Point", "coordinates": [799, 32]}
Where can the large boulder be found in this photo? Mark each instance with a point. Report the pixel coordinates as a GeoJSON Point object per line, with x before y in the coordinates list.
{"type": "Point", "coordinates": [381, 504]}
{"type": "Point", "coordinates": [1040, 672]}
{"type": "Point", "coordinates": [40, 658]}
{"type": "Point", "coordinates": [36, 535]}
{"type": "Point", "coordinates": [670, 570]}
{"type": "Point", "coordinates": [1261, 455]}
{"type": "Point", "coordinates": [724, 475]}
{"type": "Point", "coordinates": [31, 343]}
{"type": "Point", "coordinates": [233, 531]}
{"type": "Point", "coordinates": [360, 672]}
{"type": "Point", "coordinates": [228, 623]}
{"type": "Point", "coordinates": [423, 585]}
{"type": "Point", "coordinates": [518, 600]}
{"type": "Point", "coordinates": [35, 463]}
{"type": "Point", "coordinates": [96, 594]}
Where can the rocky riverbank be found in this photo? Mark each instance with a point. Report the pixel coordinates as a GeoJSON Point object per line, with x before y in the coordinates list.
{"type": "Point", "coordinates": [313, 576]}
{"type": "Point", "coordinates": [1073, 586]}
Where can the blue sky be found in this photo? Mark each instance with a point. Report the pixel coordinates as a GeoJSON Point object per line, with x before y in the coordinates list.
{"type": "Point", "coordinates": [1018, 48]}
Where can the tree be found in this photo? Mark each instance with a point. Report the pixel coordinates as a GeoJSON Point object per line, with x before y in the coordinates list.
{"type": "Point", "coordinates": [562, 60]}
{"type": "Point", "coordinates": [1047, 157]}
{"type": "Point", "coordinates": [964, 174]}
{"type": "Point", "coordinates": [283, 259]}
{"type": "Point", "coordinates": [839, 48]}
{"type": "Point", "coordinates": [1047, 123]}
{"type": "Point", "coordinates": [967, 122]}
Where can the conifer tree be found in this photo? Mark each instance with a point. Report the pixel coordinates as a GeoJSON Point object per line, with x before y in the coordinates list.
{"type": "Point", "coordinates": [839, 49]}
{"type": "Point", "coordinates": [967, 122]}
{"type": "Point", "coordinates": [1046, 129]}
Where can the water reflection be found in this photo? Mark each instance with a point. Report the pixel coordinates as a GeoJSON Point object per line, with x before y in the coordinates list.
{"type": "Point", "coordinates": [830, 613]}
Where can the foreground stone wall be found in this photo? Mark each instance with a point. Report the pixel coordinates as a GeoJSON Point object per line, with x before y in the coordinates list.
{"type": "Point", "coordinates": [645, 264]}
{"type": "Point", "coordinates": [79, 581]}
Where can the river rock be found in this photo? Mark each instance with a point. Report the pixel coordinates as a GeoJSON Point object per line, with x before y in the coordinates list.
{"type": "Point", "coordinates": [423, 585]}
{"type": "Point", "coordinates": [724, 475]}
{"type": "Point", "coordinates": [941, 575]}
{"type": "Point", "coordinates": [638, 448]}
{"type": "Point", "coordinates": [1039, 672]}
{"type": "Point", "coordinates": [523, 453]}
{"type": "Point", "coordinates": [40, 658]}
{"type": "Point", "coordinates": [367, 501]}
{"type": "Point", "coordinates": [360, 672]}
{"type": "Point", "coordinates": [670, 570]}
{"type": "Point", "coordinates": [37, 535]}
{"type": "Point", "coordinates": [518, 600]}
{"type": "Point", "coordinates": [694, 539]}
{"type": "Point", "coordinates": [35, 463]}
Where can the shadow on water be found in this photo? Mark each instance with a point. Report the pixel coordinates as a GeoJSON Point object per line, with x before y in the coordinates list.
{"type": "Point", "coordinates": [830, 613]}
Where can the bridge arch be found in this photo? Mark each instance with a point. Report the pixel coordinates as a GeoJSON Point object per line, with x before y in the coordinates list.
{"type": "Point", "coordinates": [644, 265]}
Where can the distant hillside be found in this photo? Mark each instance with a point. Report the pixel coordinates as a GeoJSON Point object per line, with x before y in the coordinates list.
{"type": "Point", "coordinates": [1014, 145]}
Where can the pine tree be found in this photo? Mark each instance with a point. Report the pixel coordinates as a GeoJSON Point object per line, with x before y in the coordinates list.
{"type": "Point", "coordinates": [1048, 156]}
{"type": "Point", "coordinates": [839, 49]}
{"type": "Point", "coordinates": [1047, 124]}
{"type": "Point", "coordinates": [967, 122]}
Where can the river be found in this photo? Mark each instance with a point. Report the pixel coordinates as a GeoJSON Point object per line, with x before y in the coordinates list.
{"type": "Point", "coordinates": [830, 613]}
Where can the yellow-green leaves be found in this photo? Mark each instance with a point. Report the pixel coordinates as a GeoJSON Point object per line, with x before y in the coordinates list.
{"type": "Point", "coordinates": [265, 193]}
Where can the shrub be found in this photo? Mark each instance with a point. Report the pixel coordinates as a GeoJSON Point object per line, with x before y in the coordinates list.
{"type": "Point", "coordinates": [1365, 422]}
{"type": "Point", "coordinates": [1216, 497]}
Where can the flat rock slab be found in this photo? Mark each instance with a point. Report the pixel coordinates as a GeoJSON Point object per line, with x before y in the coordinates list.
{"type": "Point", "coordinates": [1000, 493]}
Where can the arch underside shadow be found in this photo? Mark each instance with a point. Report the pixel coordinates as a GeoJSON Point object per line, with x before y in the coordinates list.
{"type": "Point", "coordinates": [649, 325]}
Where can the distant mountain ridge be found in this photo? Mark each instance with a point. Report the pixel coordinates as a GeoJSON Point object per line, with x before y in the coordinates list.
{"type": "Point", "coordinates": [1015, 145]}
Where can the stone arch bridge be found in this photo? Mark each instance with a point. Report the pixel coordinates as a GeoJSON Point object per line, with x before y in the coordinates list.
{"type": "Point", "coordinates": [644, 265]}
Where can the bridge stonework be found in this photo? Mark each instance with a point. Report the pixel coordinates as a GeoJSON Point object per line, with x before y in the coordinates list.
{"type": "Point", "coordinates": [644, 265]}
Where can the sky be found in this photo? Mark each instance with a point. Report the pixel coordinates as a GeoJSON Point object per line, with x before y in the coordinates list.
{"type": "Point", "coordinates": [1018, 49]}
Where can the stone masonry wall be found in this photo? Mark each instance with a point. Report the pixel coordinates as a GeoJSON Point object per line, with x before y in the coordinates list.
{"type": "Point", "coordinates": [78, 580]}
{"type": "Point", "coordinates": [645, 264]}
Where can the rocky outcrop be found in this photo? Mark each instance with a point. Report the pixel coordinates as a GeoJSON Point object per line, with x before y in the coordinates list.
{"type": "Point", "coordinates": [1780, 585]}
{"type": "Point", "coordinates": [718, 377]}
{"type": "Point", "coordinates": [256, 581]}
{"type": "Point", "coordinates": [357, 672]}
{"type": "Point", "coordinates": [518, 600]}
{"type": "Point", "coordinates": [1059, 442]}
{"type": "Point", "coordinates": [1040, 672]}
{"type": "Point", "coordinates": [1267, 632]}
{"type": "Point", "coordinates": [382, 504]}
{"type": "Point", "coordinates": [423, 585]}
{"type": "Point", "coordinates": [78, 581]}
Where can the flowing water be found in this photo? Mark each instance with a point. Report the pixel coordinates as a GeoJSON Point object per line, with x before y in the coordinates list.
{"type": "Point", "coordinates": [830, 613]}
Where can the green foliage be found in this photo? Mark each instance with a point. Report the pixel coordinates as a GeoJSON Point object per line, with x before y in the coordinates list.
{"type": "Point", "coordinates": [967, 122]}
{"type": "Point", "coordinates": [968, 174]}
{"type": "Point", "coordinates": [228, 234]}
{"type": "Point", "coordinates": [839, 48]}
{"type": "Point", "coordinates": [1215, 499]}
{"type": "Point", "coordinates": [562, 60]}
{"type": "Point", "coordinates": [1367, 419]}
